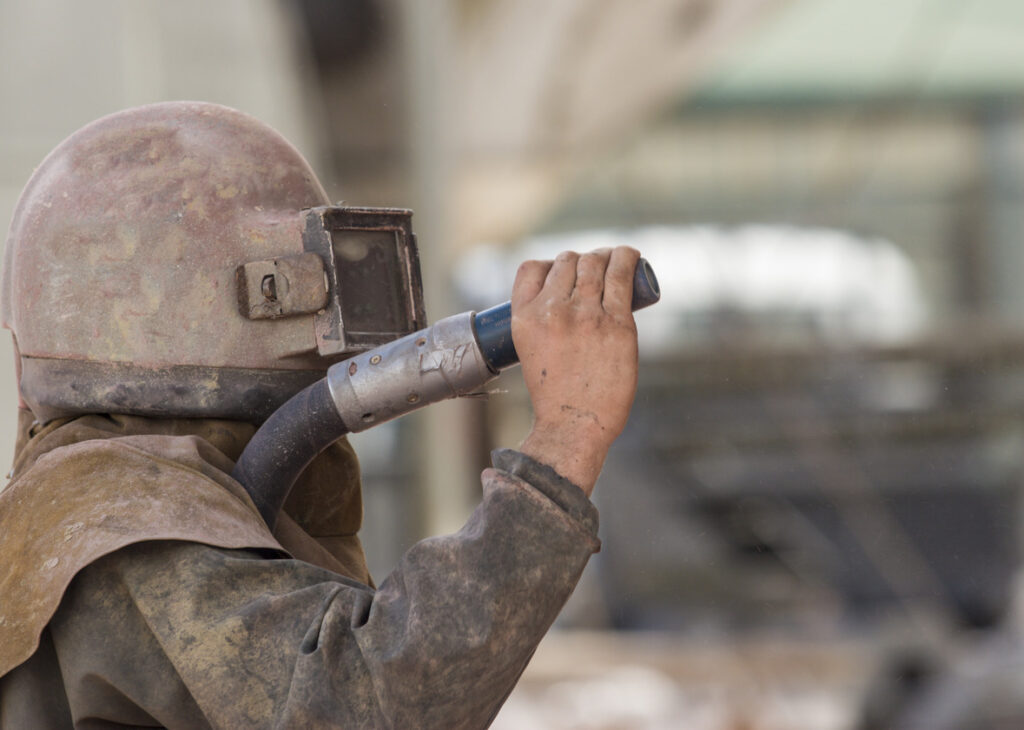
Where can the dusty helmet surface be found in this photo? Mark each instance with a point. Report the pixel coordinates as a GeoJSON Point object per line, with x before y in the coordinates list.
{"type": "Point", "coordinates": [177, 259]}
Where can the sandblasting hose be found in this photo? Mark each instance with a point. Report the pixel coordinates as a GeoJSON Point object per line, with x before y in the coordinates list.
{"type": "Point", "coordinates": [453, 357]}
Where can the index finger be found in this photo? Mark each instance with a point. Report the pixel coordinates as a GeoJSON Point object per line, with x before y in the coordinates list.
{"type": "Point", "coordinates": [618, 280]}
{"type": "Point", "coordinates": [529, 281]}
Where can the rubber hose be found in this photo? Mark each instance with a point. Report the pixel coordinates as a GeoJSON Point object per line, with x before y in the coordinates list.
{"type": "Point", "coordinates": [284, 445]}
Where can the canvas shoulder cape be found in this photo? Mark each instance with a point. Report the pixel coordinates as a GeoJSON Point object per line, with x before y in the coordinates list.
{"type": "Point", "coordinates": [72, 501]}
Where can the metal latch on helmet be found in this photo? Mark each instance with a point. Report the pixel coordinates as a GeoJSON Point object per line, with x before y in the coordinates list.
{"type": "Point", "coordinates": [282, 287]}
{"type": "Point", "coordinates": [359, 277]}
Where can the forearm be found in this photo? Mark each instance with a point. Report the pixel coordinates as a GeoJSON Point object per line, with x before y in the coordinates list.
{"type": "Point", "coordinates": [449, 632]}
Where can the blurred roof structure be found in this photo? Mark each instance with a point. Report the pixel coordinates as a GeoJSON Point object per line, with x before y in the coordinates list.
{"type": "Point", "coordinates": [832, 49]}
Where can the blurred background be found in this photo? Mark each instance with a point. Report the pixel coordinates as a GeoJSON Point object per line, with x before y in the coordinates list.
{"type": "Point", "coordinates": [813, 520]}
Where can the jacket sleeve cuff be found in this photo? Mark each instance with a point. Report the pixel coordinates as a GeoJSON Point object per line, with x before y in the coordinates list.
{"type": "Point", "coordinates": [564, 493]}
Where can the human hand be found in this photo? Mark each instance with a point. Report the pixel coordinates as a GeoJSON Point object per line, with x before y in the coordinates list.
{"type": "Point", "coordinates": [573, 329]}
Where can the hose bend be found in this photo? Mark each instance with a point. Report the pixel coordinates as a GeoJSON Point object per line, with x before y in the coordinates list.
{"type": "Point", "coordinates": [284, 445]}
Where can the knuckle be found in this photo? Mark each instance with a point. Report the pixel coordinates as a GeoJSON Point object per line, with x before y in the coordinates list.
{"type": "Point", "coordinates": [559, 316]}
{"type": "Point", "coordinates": [587, 315]}
{"type": "Point", "coordinates": [625, 321]}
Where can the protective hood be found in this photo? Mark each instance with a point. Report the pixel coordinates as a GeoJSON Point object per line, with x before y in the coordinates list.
{"type": "Point", "coordinates": [83, 488]}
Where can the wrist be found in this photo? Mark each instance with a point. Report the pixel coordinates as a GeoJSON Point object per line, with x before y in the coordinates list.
{"type": "Point", "coordinates": [572, 454]}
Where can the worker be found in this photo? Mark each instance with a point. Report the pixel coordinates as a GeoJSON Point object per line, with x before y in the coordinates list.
{"type": "Point", "coordinates": [139, 585]}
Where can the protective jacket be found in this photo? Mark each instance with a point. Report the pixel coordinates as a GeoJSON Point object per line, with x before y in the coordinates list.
{"type": "Point", "coordinates": [140, 588]}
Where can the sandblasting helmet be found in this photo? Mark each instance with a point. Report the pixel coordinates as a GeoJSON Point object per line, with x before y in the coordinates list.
{"type": "Point", "coordinates": [181, 259]}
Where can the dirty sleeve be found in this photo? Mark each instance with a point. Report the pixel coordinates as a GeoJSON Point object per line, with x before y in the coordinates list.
{"type": "Point", "coordinates": [231, 638]}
